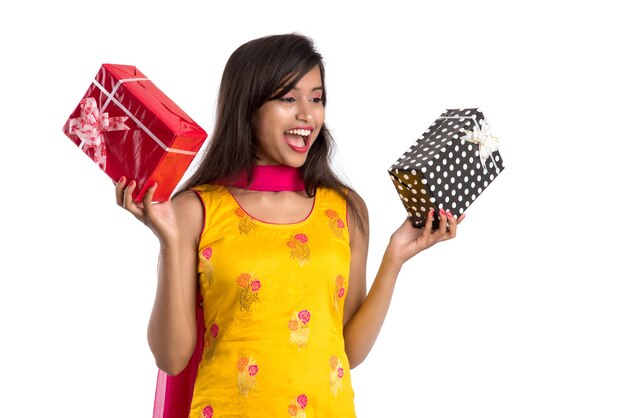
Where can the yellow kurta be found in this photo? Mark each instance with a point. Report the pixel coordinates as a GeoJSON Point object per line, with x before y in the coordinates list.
{"type": "Point", "coordinates": [273, 308]}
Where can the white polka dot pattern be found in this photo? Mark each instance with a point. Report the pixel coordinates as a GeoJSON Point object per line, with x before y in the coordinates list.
{"type": "Point", "coordinates": [441, 170]}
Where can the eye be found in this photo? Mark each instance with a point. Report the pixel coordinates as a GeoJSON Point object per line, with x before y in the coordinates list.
{"type": "Point", "coordinates": [317, 100]}
{"type": "Point", "coordinates": [286, 99]}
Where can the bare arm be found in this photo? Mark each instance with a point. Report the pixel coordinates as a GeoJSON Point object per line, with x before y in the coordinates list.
{"type": "Point", "coordinates": [364, 314]}
{"type": "Point", "coordinates": [177, 224]}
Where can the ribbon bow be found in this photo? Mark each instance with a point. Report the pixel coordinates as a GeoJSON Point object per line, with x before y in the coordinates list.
{"type": "Point", "coordinates": [487, 144]}
{"type": "Point", "coordinates": [90, 126]}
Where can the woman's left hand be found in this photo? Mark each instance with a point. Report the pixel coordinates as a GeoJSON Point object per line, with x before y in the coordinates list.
{"type": "Point", "coordinates": [407, 241]}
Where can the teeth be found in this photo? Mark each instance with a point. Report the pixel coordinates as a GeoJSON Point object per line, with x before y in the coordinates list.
{"type": "Point", "coordinates": [301, 132]}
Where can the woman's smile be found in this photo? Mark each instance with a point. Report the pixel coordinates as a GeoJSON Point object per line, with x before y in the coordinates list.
{"type": "Point", "coordinates": [299, 138]}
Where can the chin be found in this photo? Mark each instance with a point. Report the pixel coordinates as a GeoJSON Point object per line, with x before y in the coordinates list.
{"type": "Point", "coordinates": [286, 158]}
{"type": "Point", "coordinates": [289, 161]}
{"type": "Point", "coordinates": [296, 162]}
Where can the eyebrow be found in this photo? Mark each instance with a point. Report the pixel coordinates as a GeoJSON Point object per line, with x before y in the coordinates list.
{"type": "Point", "coordinates": [313, 89]}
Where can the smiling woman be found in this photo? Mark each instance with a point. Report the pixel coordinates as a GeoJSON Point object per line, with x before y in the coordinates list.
{"type": "Point", "coordinates": [261, 307]}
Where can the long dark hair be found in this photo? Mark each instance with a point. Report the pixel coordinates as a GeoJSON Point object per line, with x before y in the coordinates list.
{"type": "Point", "coordinates": [260, 70]}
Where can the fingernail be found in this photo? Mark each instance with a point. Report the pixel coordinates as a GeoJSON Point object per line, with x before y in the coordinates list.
{"type": "Point", "coordinates": [123, 179]}
{"type": "Point", "coordinates": [431, 211]}
{"type": "Point", "coordinates": [441, 211]}
{"type": "Point", "coordinates": [449, 214]}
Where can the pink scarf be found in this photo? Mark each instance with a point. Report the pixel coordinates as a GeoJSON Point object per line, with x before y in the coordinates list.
{"type": "Point", "coordinates": [271, 178]}
{"type": "Point", "coordinates": [174, 393]}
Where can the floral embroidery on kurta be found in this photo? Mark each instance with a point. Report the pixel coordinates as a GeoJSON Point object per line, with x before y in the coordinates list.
{"type": "Point", "coordinates": [299, 248]}
{"type": "Point", "coordinates": [340, 290]}
{"type": "Point", "coordinates": [336, 375]}
{"type": "Point", "coordinates": [205, 266]}
{"type": "Point", "coordinates": [249, 291]}
{"type": "Point", "coordinates": [296, 407]}
{"type": "Point", "coordinates": [210, 338]}
{"type": "Point", "coordinates": [335, 222]}
{"type": "Point", "coordinates": [272, 325]}
{"type": "Point", "coordinates": [246, 223]}
{"type": "Point", "coordinates": [248, 370]}
{"type": "Point", "coordinates": [207, 412]}
{"type": "Point", "coordinates": [298, 326]}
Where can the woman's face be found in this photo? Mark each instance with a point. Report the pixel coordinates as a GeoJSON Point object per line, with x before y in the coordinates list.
{"type": "Point", "coordinates": [286, 127]}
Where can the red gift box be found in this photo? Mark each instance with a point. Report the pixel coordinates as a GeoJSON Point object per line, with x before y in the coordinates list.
{"type": "Point", "coordinates": [131, 128]}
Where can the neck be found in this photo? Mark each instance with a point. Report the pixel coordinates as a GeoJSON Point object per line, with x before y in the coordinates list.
{"type": "Point", "coordinates": [272, 178]}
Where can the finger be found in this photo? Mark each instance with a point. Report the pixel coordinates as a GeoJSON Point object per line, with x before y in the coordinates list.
{"type": "Point", "coordinates": [129, 205]}
{"type": "Point", "coordinates": [147, 198]}
{"type": "Point", "coordinates": [453, 223]}
{"type": "Point", "coordinates": [119, 191]}
{"type": "Point", "coordinates": [128, 193]}
{"type": "Point", "coordinates": [443, 222]}
{"type": "Point", "coordinates": [458, 221]}
{"type": "Point", "coordinates": [429, 222]}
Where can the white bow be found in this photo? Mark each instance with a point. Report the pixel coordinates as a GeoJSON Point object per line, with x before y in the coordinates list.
{"type": "Point", "coordinates": [487, 144]}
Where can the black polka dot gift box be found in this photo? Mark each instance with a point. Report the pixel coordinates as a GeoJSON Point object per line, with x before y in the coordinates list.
{"type": "Point", "coordinates": [448, 167]}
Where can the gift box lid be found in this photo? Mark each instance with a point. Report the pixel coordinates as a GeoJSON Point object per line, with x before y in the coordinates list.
{"type": "Point", "coordinates": [118, 79]}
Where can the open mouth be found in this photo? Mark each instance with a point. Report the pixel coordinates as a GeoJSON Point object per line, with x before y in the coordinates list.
{"type": "Point", "coordinates": [298, 139]}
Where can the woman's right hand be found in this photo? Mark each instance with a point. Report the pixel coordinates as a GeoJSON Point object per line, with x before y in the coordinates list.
{"type": "Point", "coordinates": [159, 217]}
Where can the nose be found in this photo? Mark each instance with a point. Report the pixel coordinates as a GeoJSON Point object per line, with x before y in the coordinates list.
{"type": "Point", "coordinates": [304, 112]}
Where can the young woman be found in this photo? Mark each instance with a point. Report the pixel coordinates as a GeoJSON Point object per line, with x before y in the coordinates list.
{"type": "Point", "coordinates": [268, 247]}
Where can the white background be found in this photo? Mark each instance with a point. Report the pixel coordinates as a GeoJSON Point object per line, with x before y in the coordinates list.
{"type": "Point", "coordinates": [522, 315]}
